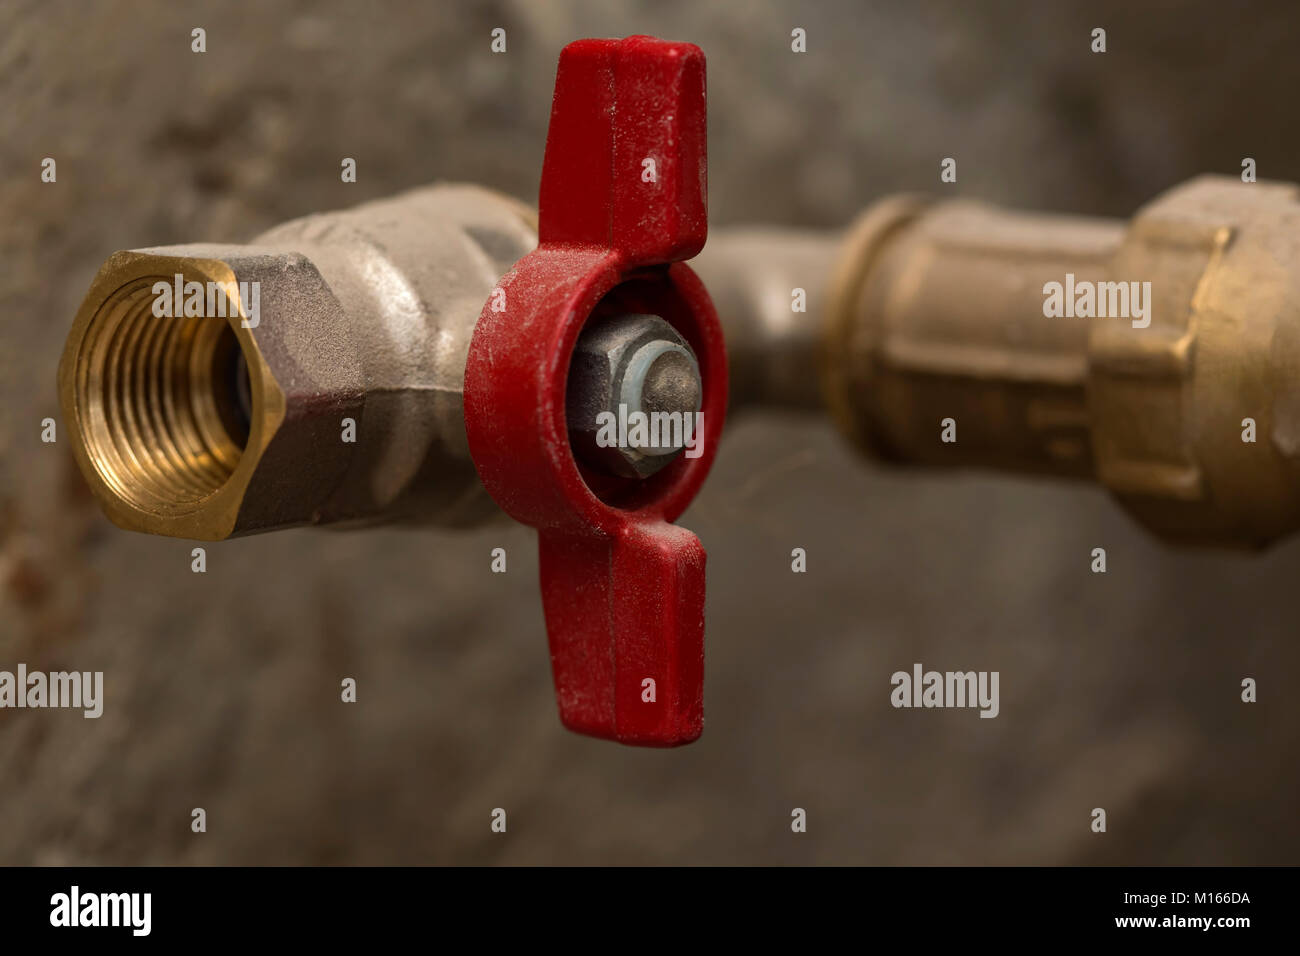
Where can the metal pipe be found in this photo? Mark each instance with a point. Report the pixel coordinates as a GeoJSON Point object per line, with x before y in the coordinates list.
{"type": "Point", "coordinates": [772, 349]}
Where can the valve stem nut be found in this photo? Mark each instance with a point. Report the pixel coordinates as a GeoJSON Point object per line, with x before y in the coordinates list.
{"type": "Point", "coordinates": [626, 366]}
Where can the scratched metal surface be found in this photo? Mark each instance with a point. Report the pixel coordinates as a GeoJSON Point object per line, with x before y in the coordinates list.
{"type": "Point", "coordinates": [222, 689]}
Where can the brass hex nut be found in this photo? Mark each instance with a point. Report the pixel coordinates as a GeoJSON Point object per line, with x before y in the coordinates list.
{"type": "Point", "coordinates": [218, 415]}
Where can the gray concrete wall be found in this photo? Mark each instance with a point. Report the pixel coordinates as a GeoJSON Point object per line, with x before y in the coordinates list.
{"type": "Point", "coordinates": [1119, 691]}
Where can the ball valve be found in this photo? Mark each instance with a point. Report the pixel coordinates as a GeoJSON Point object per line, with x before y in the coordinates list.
{"type": "Point", "coordinates": [388, 364]}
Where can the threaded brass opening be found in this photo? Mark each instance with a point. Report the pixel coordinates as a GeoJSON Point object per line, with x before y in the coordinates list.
{"type": "Point", "coordinates": [161, 402]}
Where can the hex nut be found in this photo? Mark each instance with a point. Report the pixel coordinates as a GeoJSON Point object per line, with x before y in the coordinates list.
{"type": "Point", "coordinates": [637, 361]}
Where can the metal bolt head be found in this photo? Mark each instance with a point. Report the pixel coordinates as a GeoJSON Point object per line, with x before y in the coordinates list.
{"type": "Point", "coordinates": [638, 362]}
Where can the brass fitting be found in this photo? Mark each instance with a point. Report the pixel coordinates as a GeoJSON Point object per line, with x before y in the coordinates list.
{"type": "Point", "coordinates": [325, 386]}
{"type": "Point", "coordinates": [937, 311]}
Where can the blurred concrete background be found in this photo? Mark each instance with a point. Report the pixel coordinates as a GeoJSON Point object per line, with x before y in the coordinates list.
{"type": "Point", "coordinates": [222, 690]}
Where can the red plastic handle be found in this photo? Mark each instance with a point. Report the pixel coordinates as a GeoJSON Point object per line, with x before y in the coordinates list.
{"type": "Point", "coordinates": [622, 200]}
{"type": "Point", "coordinates": [625, 163]}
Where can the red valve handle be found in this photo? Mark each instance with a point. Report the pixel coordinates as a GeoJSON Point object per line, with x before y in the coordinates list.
{"type": "Point", "coordinates": [622, 200]}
